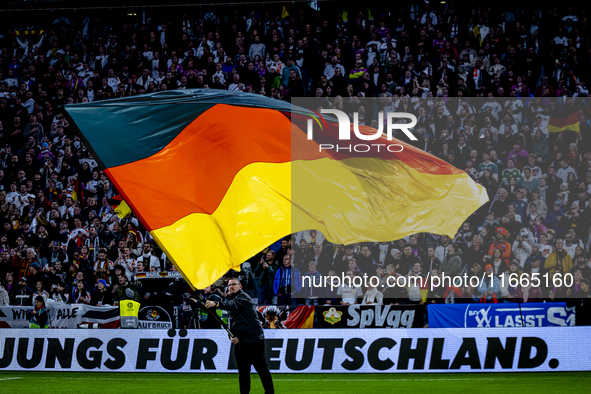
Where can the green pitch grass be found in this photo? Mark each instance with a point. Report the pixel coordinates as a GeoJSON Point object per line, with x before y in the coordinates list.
{"type": "Point", "coordinates": [144, 383]}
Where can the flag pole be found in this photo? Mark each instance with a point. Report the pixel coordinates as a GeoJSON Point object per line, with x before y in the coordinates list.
{"type": "Point", "coordinates": [215, 315]}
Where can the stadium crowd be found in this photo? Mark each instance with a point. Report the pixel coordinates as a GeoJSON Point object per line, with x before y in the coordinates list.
{"type": "Point", "coordinates": [61, 239]}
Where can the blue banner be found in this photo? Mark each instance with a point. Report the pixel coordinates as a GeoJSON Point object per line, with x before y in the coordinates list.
{"type": "Point", "coordinates": [501, 315]}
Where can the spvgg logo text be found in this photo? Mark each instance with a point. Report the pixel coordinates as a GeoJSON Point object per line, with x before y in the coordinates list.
{"type": "Point", "coordinates": [345, 132]}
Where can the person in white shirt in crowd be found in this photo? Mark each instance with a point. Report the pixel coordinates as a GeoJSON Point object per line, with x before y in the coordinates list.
{"type": "Point", "coordinates": [236, 85]}
{"type": "Point", "coordinates": [348, 291]}
{"type": "Point", "coordinates": [148, 259]}
{"type": "Point", "coordinates": [128, 263]}
{"type": "Point", "coordinates": [564, 170]}
{"type": "Point", "coordinates": [441, 250]}
{"type": "Point", "coordinates": [571, 244]}
{"type": "Point", "coordinates": [329, 69]}
{"type": "Point", "coordinates": [310, 236]}
{"type": "Point", "coordinates": [11, 79]}
{"type": "Point", "coordinates": [521, 247]}
{"type": "Point", "coordinates": [145, 79]}
{"type": "Point", "coordinates": [113, 80]}
{"type": "Point", "coordinates": [372, 296]}
{"type": "Point", "coordinates": [219, 73]}
{"type": "Point", "coordinates": [544, 245]}
{"type": "Point", "coordinates": [561, 39]}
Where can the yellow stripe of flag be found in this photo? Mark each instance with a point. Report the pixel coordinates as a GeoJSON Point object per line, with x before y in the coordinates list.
{"type": "Point", "coordinates": [382, 200]}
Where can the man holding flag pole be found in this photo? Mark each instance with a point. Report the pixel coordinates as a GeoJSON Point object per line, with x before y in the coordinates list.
{"type": "Point", "coordinates": [246, 335]}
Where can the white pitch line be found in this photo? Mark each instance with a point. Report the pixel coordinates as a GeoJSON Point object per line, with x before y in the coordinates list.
{"type": "Point", "coordinates": [322, 380]}
{"type": "Point", "coordinates": [405, 380]}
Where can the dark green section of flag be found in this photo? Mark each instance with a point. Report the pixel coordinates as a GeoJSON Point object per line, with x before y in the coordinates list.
{"type": "Point", "coordinates": [122, 131]}
{"type": "Point", "coordinates": [129, 129]}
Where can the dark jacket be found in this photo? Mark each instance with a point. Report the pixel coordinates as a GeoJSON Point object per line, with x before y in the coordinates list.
{"type": "Point", "coordinates": [120, 293]}
{"type": "Point", "coordinates": [244, 322]}
{"type": "Point", "coordinates": [105, 298]}
{"type": "Point", "coordinates": [452, 264]}
{"type": "Point", "coordinates": [39, 319]}
{"type": "Point", "coordinates": [432, 264]}
{"type": "Point", "coordinates": [23, 297]}
{"type": "Point", "coordinates": [266, 276]}
{"type": "Point", "coordinates": [583, 309]}
{"type": "Point", "coordinates": [407, 263]}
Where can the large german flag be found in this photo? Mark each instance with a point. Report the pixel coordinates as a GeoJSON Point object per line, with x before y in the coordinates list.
{"type": "Point", "coordinates": [217, 176]}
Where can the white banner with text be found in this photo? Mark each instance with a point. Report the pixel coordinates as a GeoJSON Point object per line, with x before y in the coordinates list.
{"type": "Point", "coordinates": [308, 351]}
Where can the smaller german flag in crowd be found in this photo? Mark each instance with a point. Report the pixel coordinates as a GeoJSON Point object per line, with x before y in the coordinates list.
{"type": "Point", "coordinates": [119, 206]}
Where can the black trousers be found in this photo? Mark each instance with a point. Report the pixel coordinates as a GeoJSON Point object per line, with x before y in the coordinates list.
{"type": "Point", "coordinates": [252, 354]}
